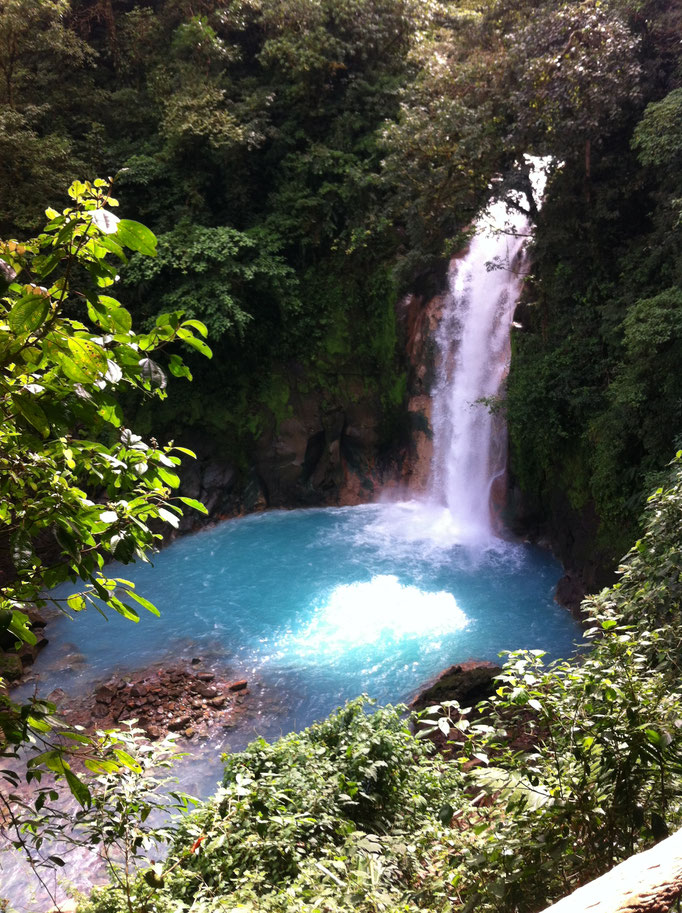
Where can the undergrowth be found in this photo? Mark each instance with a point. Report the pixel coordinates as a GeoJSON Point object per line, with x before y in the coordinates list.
{"type": "Point", "coordinates": [565, 771]}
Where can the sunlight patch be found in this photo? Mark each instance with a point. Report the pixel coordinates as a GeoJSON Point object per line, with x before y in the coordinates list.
{"type": "Point", "coordinates": [357, 614]}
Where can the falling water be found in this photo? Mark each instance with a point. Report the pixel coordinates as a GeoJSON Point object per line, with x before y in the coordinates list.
{"type": "Point", "coordinates": [474, 351]}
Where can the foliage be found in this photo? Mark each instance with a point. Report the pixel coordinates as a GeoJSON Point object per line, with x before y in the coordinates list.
{"type": "Point", "coordinates": [339, 817]}
{"type": "Point", "coordinates": [658, 136]}
{"type": "Point", "coordinates": [124, 819]}
{"type": "Point", "coordinates": [215, 274]}
{"type": "Point", "coordinates": [599, 337]}
{"type": "Point", "coordinates": [576, 71]}
{"type": "Point", "coordinates": [287, 153]}
{"type": "Point", "coordinates": [78, 487]}
{"type": "Point", "coordinates": [565, 771]}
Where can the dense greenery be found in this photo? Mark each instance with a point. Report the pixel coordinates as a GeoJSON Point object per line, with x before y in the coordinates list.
{"type": "Point", "coordinates": [78, 487]}
{"type": "Point", "coordinates": [577, 765]}
{"type": "Point", "coordinates": [602, 332]}
{"type": "Point", "coordinates": [304, 162]}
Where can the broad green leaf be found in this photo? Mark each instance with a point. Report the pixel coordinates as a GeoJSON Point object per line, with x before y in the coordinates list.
{"type": "Point", "coordinates": [197, 505]}
{"type": "Point", "coordinates": [197, 325]}
{"type": "Point", "coordinates": [127, 760]}
{"type": "Point", "coordinates": [19, 627]}
{"type": "Point", "coordinates": [78, 788]}
{"type": "Point", "coordinates": [68, 541]}
{"type": "Point", "coordinates": [120, 320]}
{"type": "Point", "coordinates": [149, 606]}
{"type": "Point", "coordinates": [170, 478]}
{"type": "Point", "coordinates": [73, 372]}
{"type": "Point", "coordinates": [137, 237]}
{"type": "Point", "coordinates": [88, 356]}
{"type": "Point", "coordinates": [100, 767]}
{"type": "Point", "coordinates": [76, 602]}
{"type": "Point", "coordinates": [178, 368]}
{"type": "Point", "coordinates": [198, 344]}
{"type": "Point", "coordinates": [28, 314]}
{"type": "Point", "coordinates": [33, 413]}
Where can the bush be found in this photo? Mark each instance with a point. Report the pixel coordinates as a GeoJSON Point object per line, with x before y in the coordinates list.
{"type": "Point", "coordinates": [341, 816]}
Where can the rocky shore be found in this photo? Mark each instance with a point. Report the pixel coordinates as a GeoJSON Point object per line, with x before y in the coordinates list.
{"type": "Point", "coordinates": [182, 699]}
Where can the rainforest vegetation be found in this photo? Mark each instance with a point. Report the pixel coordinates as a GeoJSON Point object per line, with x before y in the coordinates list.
{"type": "Point", "coordinates": [303, 164]}
{"type": "Point", "coordinates": [300, 165]}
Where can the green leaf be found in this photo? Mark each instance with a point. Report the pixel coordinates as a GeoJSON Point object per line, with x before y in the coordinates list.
{"type": "Point", "coordinates": [33, 413]}
{"type": "Point", "coordinates": [28, 314]}
{"type": "Point", "coordinates": [88, 356]}
{"type": "Point", "coordinates": [654, 737]}
{"type": "Point", "coordinates": [197, 344]}
{"type": "Point", "coordinates": [191, 502]}
{"type": "Point", "coordinates": [197, 325]}
{"type": "Point", "coordinates": [78, 788]}
{"type": "Point", "coordinates": [100, 767]}
{"type": "Point", "coordinates": [178, 368]}
{"type": "Point", "coordinates": [170, 478]}
{"type": "Point", "coordinates": [137, 237]}
{"type": "Point", "coordinates": [127, 760]}
{"type": "Point", "coordinates": [149, 606]}
{"type": "Point", "coordinates": [76, 602]}
{"type": "Point", "coordinates": [115, 317]}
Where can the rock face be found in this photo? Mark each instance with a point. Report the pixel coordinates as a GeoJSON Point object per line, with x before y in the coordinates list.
{"type": "Point", "coordinates": [327, 448]}
{"type": "Point", "coordinates": [570, 534]}
{"type": "Point", "coordinates": [468, 683]}
{"type": "Point", "coordinates": [317, 456]}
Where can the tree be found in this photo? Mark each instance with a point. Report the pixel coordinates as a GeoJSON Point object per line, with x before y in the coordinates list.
{"type": "Point", "coordinates": [77, 488]}
{"type": "Point", "coordinates": [40, 56]}
{"type": "Point", "coordinates": [575, 70]}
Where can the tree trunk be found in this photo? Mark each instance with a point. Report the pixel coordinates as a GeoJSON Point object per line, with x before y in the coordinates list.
{"type": "Point", "coordinates": [648, 882]}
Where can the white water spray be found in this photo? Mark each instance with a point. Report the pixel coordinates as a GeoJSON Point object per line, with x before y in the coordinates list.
{"type": "Point", "coordinates": [474, 351]}
{"type": "Point", "coordinates": [463, 502]}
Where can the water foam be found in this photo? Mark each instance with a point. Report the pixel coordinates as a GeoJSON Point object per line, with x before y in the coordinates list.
{"type": "Point", "coordinates": [378, 610]}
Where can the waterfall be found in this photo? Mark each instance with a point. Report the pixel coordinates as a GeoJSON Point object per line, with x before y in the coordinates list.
{"type": "Point", "coordinates": [469, 434]}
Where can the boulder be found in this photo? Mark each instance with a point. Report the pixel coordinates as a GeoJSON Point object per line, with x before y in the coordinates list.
{"type": "Point", "coordinates": [570, 592]}
{"type": "Point", "coordinates": [180, 722]}
{"type": "Point", "coordinates": [468, 683]}
{"type": "Point", "coordinates": [104, 694]}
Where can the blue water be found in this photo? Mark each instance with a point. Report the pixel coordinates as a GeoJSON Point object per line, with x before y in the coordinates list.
{"type": "Point", "coordinates": [312, 607]}
{"type": "Point", "coordinates": [316, 606]}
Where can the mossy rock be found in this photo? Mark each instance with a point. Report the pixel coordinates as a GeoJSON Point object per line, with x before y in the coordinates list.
{"type": "Point", "coordinates": [10, 667]}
